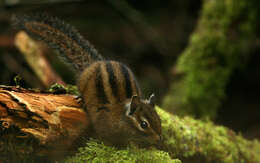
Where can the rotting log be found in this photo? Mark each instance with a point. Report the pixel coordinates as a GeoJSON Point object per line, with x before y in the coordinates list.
{"type": "Point", "coordinates": [45, 123]}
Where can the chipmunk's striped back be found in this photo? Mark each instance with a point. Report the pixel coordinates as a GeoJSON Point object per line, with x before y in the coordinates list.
{"type": "Point", "coordinates": [107, 82]}
{"type": "Point", "coordinates": [104, 85]}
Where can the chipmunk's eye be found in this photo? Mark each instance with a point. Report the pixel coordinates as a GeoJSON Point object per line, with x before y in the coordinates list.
{"type": "Point", "coordinates": [144, 124]}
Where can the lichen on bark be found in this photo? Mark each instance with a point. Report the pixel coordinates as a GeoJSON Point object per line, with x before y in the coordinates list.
{"type": "Point", "coordinates": [220, 44]}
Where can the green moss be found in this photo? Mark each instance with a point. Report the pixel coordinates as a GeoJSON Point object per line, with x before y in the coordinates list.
{"type": "Point", "coordinates": [70, 89]}
{"type": "Point", "coordinates": [189, 138]}
{"type": "Point", "coordinates": [17, 80]}
{"type": "Point", "coordinates": [224, 34]}
{"type": "Point", "coordinates": [184, 138]}
{"type": "Point", "coordinates": [98, 152]}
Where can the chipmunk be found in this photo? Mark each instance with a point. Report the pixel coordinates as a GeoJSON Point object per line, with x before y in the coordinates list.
{"type": "Point", "coordinates": [109, 89]}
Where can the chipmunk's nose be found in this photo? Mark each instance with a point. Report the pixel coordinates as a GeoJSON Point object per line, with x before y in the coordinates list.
{"type": "Point", "coordinates": [159, 141]}
{"type": "Point", "coordinates": [159, 138]}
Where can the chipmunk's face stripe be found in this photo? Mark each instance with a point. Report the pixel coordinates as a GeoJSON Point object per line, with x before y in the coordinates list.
{"type": "Point", "coordinates": [112, 78]}
{"type": "Point", "coordinates": [101, 95]}
{"type": "Point", "coordinates": [128, 88]}
{"type": "Point", "coordinates": [154, 120]}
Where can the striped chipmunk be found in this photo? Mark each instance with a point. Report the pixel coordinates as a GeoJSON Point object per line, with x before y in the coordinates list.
{"type": "Point", "coordinates": [109, 90]}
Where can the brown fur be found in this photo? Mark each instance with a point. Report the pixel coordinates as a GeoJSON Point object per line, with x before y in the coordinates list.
{"type": "Point", "coordinates": [120, 81]}
{"type": "Point", "coordinates": [109, 89]}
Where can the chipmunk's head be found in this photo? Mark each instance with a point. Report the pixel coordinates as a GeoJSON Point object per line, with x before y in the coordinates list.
{"type": "Point", "coordinates": [144, 120]}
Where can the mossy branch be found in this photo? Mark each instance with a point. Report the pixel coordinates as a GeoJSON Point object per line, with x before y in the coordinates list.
{"type": "Point", "coordinates": [225, 34]}
{"type": "Point", "coordinates": [185, 138]}
{"type": "Point", "coordinates": [38, 125]}
{"type": "Point", "coordinates": [188, 138]}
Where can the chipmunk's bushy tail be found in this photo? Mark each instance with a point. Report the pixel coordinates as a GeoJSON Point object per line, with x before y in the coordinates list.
{"type": "Point", "coordinates": [60, 36]}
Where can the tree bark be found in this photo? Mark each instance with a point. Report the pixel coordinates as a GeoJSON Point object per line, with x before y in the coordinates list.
{"type": "Point", "coordinates": [48, 122]}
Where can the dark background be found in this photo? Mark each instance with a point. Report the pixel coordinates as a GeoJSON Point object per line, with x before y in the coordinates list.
{"type": "Point", "coordinates": [152, 57]}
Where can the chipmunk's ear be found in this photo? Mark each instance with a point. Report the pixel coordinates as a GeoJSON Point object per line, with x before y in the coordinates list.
{"type": "Point", "coordinates": [135, 101]}
{"type": "Point", "coordinates": [151, 100]}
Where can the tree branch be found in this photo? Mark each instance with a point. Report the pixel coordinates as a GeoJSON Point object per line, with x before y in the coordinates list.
{"type": "Point", "coordinates": [34, 55]}
{"type": "Point", "coordinates": [35, 124]}
{"type": "Point", "coordinates": [221, 44]}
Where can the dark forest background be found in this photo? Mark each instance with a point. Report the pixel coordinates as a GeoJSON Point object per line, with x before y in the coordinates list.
{"type": "Point", "coordinates": [148, 36]}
